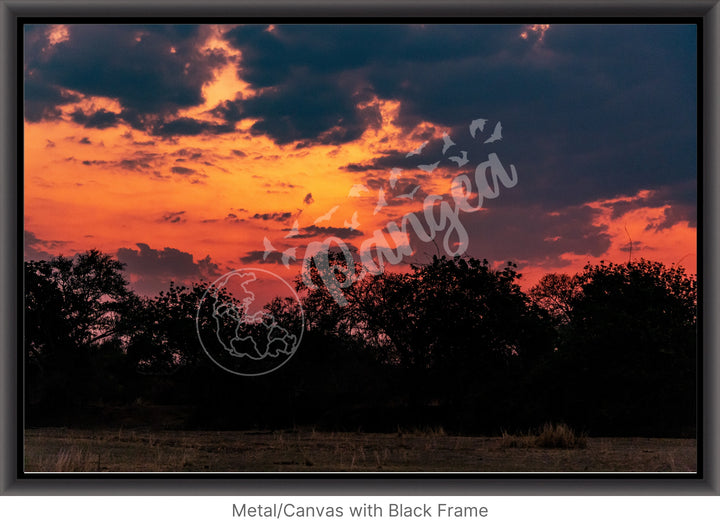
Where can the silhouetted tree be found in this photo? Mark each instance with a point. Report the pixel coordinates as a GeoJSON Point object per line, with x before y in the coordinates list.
{"type": "Point", "coordinates": [627, 360]}
{"type": "Point", "coordinates": [555, 293]}
{"type": "Point", "coordinates": [458, 330]}
{"type": "Point", "coordinates": [453, 342]}
{"type": "Point", "coordinates": [74, 309]}
{"type": "Point", "coordinates": [474, 331]}
{"type": "Point", "coordinates": [164, 336]}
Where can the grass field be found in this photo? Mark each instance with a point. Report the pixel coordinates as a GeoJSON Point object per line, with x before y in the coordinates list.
{"type": "Point", "coordinates": [124, 450]}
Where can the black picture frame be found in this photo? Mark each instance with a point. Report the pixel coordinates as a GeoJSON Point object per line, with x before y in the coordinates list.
{"type": "Point", "coordinates": [12, 482]}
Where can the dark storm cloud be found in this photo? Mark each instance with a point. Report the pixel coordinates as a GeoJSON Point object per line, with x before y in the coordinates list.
{"type": "Point", "coordinates": [173, 217]}
{"type": "Point", "coordinates": [181, 170]}
{"type": "Point", "coordinates": [229, 111]}
{"type": "Point", "coordinates": [531, 234]}
{"type": "Point", "coordinates": [637, 245]}
{"type": "Point", "coordinates": [140, 162]}
{"type": "Point", "coordinates": [101, 119]}
{"type": "Point", "coordinates": [280, 184]}
{"type": "Point", "coordinates": [149, 69]}
{"type": "Point", "coordinates": [36, 248]}
{"type": "Point", "coordinates": [276, 257]}
{"type": "Point", "coordinates": [355, 167]}
{"type": "Point", "coordinates": [273, 257]}
{"type": "Point", "coordinates": [591, 111]}
{"type": "Point", "coordinates": [155, 268]}
{"type": "Point", "coordinates": [528, 234]}
{"type": "Point", "coordinates": [190, 127]}
{"type": "Point", "coordinates": [270, 57]}
{"type": "Point", "coordinates": [168, 261]}
{"type": "Point", "coordinates": [673, 215]}
{"type": "Point", "coordinates": [232, 218]}
{"type": "Point", "coordinates": [340, 232]}
{"type": "Point", "coordinates": [431, 151]}
{"type": "Point", "coordinates": [319, 74]}
{"type": "Point", "coordinates": [277, 216]}
{"type": "Point", "coordinates": [42, 99]}
{"type": "Point", "coordinates": [189, 153]}
{"type": "Point", "coordinates": [313, 109]}
{"type": "Point", "coordinates": [677, 200]}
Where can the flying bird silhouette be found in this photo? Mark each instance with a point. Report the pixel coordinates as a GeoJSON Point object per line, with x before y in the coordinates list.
{"type": "Point", "coordinates": [381, 202]}
{"type": "Point", "coordinates": [288, 254]}
{"type": "Point", "coordinates": [269, 248]}
{"type": "Point", "coordinates": [394, 173]}
{"type": "Point", "coordinates": [326, 217]}
{"type": "Point", "coordinates": [357, 190]}
{"type": "Point", "coordinates": [461, 161]}
{"type": "Point", "coordinates": [477, 124]}
{"type": "Point", "coordinates": [295, 231]}
{"type": "Point", "coordinates": [410, 194]}
{"type": "Point", "coordinates": [496, 134]}
{"type": "Point", "coordinates": [428, 167]}
{"type": "Point", "coordinates": [353, 223]}
{"type": "Point", "coordinates": [416, 151]}
{"type": "Point", "coordinates": [447, 142]}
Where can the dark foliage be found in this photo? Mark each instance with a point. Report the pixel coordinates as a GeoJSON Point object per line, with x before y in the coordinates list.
{"type": "Point", "coordinates": [453, 343]}
{"type": "Point", "coordinates": [627, 355]}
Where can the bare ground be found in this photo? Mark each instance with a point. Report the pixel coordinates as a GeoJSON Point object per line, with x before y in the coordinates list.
{"type": "Point", "coordinates": [125, 450]}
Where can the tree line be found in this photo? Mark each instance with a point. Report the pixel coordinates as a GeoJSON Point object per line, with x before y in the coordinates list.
{"type": "Point", "coordinates": [452, 343]}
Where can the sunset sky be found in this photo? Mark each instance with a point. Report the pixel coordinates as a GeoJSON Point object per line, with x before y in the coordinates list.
{"type": "Point", "coordinates": [189, 151]}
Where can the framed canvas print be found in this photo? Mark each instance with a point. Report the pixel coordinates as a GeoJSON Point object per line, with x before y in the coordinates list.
{"type": "Point", "coordinates": [361, 247]}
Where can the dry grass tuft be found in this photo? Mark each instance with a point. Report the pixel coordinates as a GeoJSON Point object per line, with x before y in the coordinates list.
{"type": "Point", "coordinates": [560, 436]}
{"type": "Point", "coordinates": [516, 441]}
{"type": "Point", "coordinates": [550, 436]}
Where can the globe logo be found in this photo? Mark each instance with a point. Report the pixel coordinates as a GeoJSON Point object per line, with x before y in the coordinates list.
{"type": "Point", "coordinates": [250, 322]}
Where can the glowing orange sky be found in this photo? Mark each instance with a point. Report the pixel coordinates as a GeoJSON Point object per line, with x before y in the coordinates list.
{"type": "Point", "coordinates": [78, 194]}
